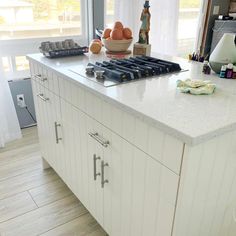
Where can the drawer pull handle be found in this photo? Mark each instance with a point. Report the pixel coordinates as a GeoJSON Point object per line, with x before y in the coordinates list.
{"type": "Point", "coordinates": [99, 139]}
{"type": "Point", "coordinates": [41, 96]}
{"type": "Point", "coordinates": [56, 132]}
{"type": "Point", "coordinates": [103, 180]}
{"type": "Point", "coordinates": [43, 79]}
{"type": "Point", "coordinates": [95, 174]}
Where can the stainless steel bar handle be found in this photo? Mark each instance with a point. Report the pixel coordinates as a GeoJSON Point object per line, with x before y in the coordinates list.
{"type": "Point", "coordinates": [103, 180]}
{"type": "Point", "coordinates": [96, 136]}
{"type": "Point", "coordinates": [95, 174]}
{"type": "Point", "coordinates": [41, 96]}
{"type": "Point", "coordinates": [56, 132]}
{"type": "Point", "coordinates": [40, 77]}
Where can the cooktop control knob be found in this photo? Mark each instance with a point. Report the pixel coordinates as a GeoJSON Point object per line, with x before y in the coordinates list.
{"type": "Point", "coordinates": [89, 70]}
{"type": "Point", "coordinates": [99, 74]}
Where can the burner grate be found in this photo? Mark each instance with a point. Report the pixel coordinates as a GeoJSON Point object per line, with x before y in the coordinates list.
{"type": "Point", "coordinates": [115, 72]}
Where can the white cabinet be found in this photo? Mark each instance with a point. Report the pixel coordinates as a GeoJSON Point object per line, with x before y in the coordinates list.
{"type": "Point", "coordinates": [138, 195]}
{"type": "Point", "coordinates": [74, 143]}
{"type": "Point", "coordinates": [129, 192]}
{"type": "Point", "coordinates": [40, 117]}
{"type": "Point", "coordinates": [48, 118]}
{"type": "Point", "coordinates": [144, 182]}
{"type": "Point", "coordinates": [95, 160]}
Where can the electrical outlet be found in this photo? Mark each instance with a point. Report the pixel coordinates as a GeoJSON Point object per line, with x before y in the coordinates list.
{"type": "Point", "coordinates": [216, 10]}
{"type": "Point", "coordinates": [21, 100]}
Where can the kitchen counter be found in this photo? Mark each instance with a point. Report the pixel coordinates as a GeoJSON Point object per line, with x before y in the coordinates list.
{"type": "Point", "coordinates": [193, 119]}
{"type": "Point", "coordinates": [142, 157]}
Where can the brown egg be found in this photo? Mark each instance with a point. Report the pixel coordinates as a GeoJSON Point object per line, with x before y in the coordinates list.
{"type": "Point", "coordinates": [118, 25]}
{"type": "Point", "coordinates": [127, 33]}
{"type": "Point", "coordinates": [109, 38]}
{"type": "Point", "coordinates": [97, 41]}
{"type": "Point", "coordinates": [106, 33]}
{"type": "Point", "coordinates": [117, 34]}
{"type": "Point", "coordinates": [95, 47]}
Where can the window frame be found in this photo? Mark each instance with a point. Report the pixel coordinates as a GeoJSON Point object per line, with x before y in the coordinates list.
{"type": "Point", "coordinates": [84, 22]}
{"type": "Point", "coordinates": [12, 48]}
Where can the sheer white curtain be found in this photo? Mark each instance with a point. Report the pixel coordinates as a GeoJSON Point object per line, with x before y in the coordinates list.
{"type": "Point", "coordinates": [164, 26]}
{"type": "Point", "coordinates": [9, 125]}
{"type": "Point", "coordinates": [129, 12]}
{"type": "Point", "coordinates": [164, 22]}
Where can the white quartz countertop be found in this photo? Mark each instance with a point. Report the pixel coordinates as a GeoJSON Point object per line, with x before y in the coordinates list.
{"type": "Point", "coordinates": [192, 119]}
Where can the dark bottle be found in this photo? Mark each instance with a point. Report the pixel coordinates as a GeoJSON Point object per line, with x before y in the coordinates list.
{"type": "Point", "coordinates": [234, 72]}
{"type": "Point", "coordinates": [206, 68]}
{"type": "Point", "coordinates": [229, 71]}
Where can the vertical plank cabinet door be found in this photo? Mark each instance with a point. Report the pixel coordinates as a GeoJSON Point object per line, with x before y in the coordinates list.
{"type": "Point", "coordinates": [66, 142]}
{"type": "Point", "coordinates": [113, 189]}
{"type": "Point", "coordinates": [207, 194]}
{"type": "Point", "coordinates": [42, 120]}
{"type": "Point", "coordinates": [54, 130]}
{"type": "Point", "coordinates": [50, 112]}
{"type": "Point", "coordinates": [74, 153]}
{"type": "Point", "coordinates": [95, 157]}
{"type": "Point", "coordinates": [140, 197]}
{"type": "Point", "coordinates": [83, 162]}
{"type": "Point", "coordinates": [47, 107]}
{"type": "Point", "coordinates": [39, 116]}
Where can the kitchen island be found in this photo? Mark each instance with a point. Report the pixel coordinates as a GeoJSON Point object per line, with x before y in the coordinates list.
{"type": "Point", "coordinates": [142, 157]}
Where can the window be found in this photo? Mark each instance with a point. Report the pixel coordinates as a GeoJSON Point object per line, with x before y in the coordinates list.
{"type": "Point", "coordinates": [21, 63]}
{"type": "Point", "coordinates": [39, 18]}
{"type": "Point", "coordinates": [187, 23]}
{"type": "Point", "coordinates": [24, 24]}
{"type": "Point", "coordinates": [188, 26]}
{"type": "Point", "coordinates": [109, 13]}
{"type": "Point", "coordinates": [5, 64]}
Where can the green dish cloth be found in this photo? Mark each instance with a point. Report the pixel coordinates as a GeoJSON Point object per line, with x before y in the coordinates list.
{"type": "Point", "coordinates": [196, 87]}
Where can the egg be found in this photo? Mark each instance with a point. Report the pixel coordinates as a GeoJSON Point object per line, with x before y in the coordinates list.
{"type": "Point", "coordinates": [127, 33]}
{"type": "Point", "coordinates": [106, 33]}
{"type": "Point", "coordinates": [118, 25]}
{"type": "Point", "coordinates": [97, 41]}
{"type": "Point", "coordinates": [116, 34]}
{"type": "Point", "coordinates": [95, 47]}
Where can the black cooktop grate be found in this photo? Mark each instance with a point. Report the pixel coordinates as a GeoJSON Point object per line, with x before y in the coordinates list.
{"type": "Point", "coordinates": [135, 68]}
{"type": "Point", "coordinates": [120, 71]}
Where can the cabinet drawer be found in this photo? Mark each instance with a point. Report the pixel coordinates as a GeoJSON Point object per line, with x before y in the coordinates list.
{"type": "Point", "coordinates": [46, 78]}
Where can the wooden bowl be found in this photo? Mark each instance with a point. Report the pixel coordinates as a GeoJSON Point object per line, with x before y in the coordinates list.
{"type": "Point", "coordinates": [117, 45]}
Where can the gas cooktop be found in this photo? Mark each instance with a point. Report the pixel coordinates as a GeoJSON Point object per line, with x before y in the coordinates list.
{"type": "Point", "coordinates": [115, 72]}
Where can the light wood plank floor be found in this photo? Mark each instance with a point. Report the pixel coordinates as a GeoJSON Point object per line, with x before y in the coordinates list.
{"type": "Point", "coordinates": [34, 201]}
